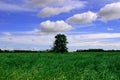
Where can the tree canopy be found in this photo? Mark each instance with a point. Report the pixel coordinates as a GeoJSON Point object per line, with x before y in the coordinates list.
{"type": "Point", "coordinates": [60, 43]}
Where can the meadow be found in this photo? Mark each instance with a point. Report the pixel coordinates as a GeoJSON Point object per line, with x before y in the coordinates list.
{"type": "Point", "coordinates": [68, 66]}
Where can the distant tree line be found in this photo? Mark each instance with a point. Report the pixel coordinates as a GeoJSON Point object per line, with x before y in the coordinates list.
{"type": "Point", "coordinates": [49, 51]}
{"type": "Point", "coordinates": [96, 50]}
{"type": "Point", "coordinates": [26, 51]}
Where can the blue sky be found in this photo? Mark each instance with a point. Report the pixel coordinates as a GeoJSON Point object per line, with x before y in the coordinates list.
{"type": "Point", "coordinates": [32, 24]}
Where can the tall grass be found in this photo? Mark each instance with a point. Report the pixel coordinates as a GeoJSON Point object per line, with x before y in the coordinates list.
{"type": "Point", "coordinates": [50, 66]}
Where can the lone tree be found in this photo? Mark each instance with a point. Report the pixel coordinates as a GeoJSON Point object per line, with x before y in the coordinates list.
{"type": "Point", "coordinates": [60, 43]}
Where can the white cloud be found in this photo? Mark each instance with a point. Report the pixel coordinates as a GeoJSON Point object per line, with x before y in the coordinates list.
{"type": "Point", "coordinates": [96, 36]}
{"type": "Point", "coordinates": [82, 18]}
{"type": "Point", "coordinates": [55, 3]}
{"type": "Point", "coordinates": [46, 8]}
{"type": "Point", "coordinates": [110, 12]}
{"type": "Point", "coordinates": [35, 40]}
{"type": "Point", "coordinates": [50, 8]}
{"type": "Point", "coordinates": [98, 44]}
{"type": "Point", "coordinates": [50, 11]}
{"type": "Point", "coordinates": [44, 3]}
{"type": "Point", "coordinates": [14, 7]}
{"type": "Point", "coordinates": [51, 27]}
{"type": "Point", "coordinates": [97, 40]}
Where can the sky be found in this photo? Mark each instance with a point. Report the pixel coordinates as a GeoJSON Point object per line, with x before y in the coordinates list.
{"type": "Point", "coordinates": [32, 24]}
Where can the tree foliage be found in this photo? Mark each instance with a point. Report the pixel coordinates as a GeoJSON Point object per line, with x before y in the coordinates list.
{"type": "Point", "coordinates": [60, 43]}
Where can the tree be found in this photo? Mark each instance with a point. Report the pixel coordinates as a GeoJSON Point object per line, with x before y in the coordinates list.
{"type": "Point", "coordinates": [60, 43]}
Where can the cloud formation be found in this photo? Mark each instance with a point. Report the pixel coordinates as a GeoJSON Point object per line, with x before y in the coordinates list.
{"type": "Point", "coordinates": [35, 40]}
{"type": "Point", "coordinates": [94, 40]}
{"type": "Point", "coordinates": [45, 8]}
{"type": "Point", "coordinates": [82, 18]}
{"type": "Point", "coordinates": [110, 12]}
{"type": "Point", "coordinates": [54, 7]}
{"type": "Point", "coordinates": [96, 36]}
{"type": "Point", "coordinates": [57, 26]}
{"type": "Point", "coordinates": [49, 11]}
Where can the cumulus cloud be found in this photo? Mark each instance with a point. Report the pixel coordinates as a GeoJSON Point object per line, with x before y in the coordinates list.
{"type": "Point", "coordinates": [57, 26]}
{"type": "Point", "coordinates": [45, 8]}
{"type": "Point", "coordinates": [110, 12]}
{"type": "Point", "coordinates": [49, 11]}
{"type": "Point", "coordinates": [82, 18]}
{"type": "Point", "coordinates": [54, 7]}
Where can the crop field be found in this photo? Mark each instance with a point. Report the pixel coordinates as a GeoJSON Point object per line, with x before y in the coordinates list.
{"type": "Point", "coordinates": [69, 66]}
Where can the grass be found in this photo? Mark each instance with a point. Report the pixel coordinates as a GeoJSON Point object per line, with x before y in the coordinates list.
{"type": "Point", "coordinates": [49, 66]}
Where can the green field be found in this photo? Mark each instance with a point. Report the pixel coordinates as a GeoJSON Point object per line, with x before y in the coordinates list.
{"type": "Point", "coordinates": [69, 66]}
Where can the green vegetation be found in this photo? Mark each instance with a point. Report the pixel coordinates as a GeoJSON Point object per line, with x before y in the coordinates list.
{"type": "Point", "coordinates": [69, 66]}
{"type": "Point", "coordinates": [60, 44]}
